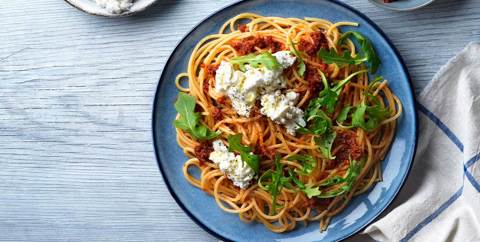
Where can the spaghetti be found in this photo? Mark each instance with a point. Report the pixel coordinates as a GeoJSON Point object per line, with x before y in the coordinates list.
{"type": "Point", "coordinates": [310, 175]}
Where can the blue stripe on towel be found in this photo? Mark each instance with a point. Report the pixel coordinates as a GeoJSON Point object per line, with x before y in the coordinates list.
{"type": "Point", "coordinates": [455, 140]}
{"type": "Point", "coordinates": [471, 179]}
{"type": "Point", "coordinates": [435, 214]}
{"type": "Point", "coordinates": [468, 174]}
{"type": "Point", "coordinates": [472, 160]}
{"type": "Point", "coordinates": [441, 125]}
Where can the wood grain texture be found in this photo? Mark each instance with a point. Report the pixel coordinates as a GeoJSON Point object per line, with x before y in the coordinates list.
{"type": "Point", "coordinates": [76, 93]}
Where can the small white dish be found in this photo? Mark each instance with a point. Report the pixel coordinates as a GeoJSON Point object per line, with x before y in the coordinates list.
{"type": "Point", "coordinates": [402, 5]}
{"type": "Point", "coordinates": [91, 7]}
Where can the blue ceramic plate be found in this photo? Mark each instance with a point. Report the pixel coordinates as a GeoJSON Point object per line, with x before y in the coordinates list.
{"type": "Point", "coordinates": [362, 209]}
{"type": "Point", "coordinates": [402, 5]}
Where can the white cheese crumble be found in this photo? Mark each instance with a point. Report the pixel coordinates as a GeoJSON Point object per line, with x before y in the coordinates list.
{"type": "Point", "coordinates": [232, 82]}
{"type": "Point", "coordinates": [231, 165]}
{"type": "Point", "coordinates": [282, 110]}
{"type": "Point", "coordinates": [115, 6]}
{"type": "Point", "coordinates": [243, 88]}
{"type": "Point", "coordinates": [284, 58]}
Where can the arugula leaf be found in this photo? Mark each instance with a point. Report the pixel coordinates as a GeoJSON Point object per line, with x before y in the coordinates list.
{"type": "Point", "coordinates": [367, 48]}
{"type": "Point", "coordinates": [263, 181]}
{"type": "Point", "coordinates": [377, 111]}
{"type": "Point", "coordinates": [343, 115]}
{"type": "Point", "coordinates": [303, 130]}
{"type": "Point", "coordinates": [313, 106]}
{"type": "Point", "coordinates": [252, 160]}
{"type": "Point", "coordinates": [339, 86]}
{"type": "Point", "coordinates": [285, 182]}
{"type": "Point", "coordinates": [328, 97]}
{"type": "Point", "coordinates": [332, 57]}
{"type": "Point", "coordinates": [332, 193]}
{"type": "Point", "coordinates": [235, 145]}
{"type": "Point", "coordinates": [318, 123]}
{"type": "Point", "coordinates": [189, 119]}
{"type": "Point", "coordinates": [295, 180]}
{"type": "Point", "coordinates": [321, 123]}
{"type": "Point", "coordinates": [301, 63]}
{"type": "Point", "coordinates": [273, 180]}
{"type": "Point", "coordinates": [318, 127]}
{"type": "Point", "coordinates": [264, 59]}
{"type": "Point", "coordinates": [372, 83]}
{"type": "Point", "coordinates": [332, 181]}
{"type": "Point", "coordinates": [358, 118]}
{"type": "Point", "coordinates": [301, 67]}
{"type": "Point", "coordinates": [308, 189]}
{"type": "Point", "coordinates": [325, 143]}
{"type": "Point", "coordinates": [311, 191]}
{"type": "Point", "coordinates": [308, 162]}
{"type": "Point", "coordinates": [369, 118]}
{"type": "Point", "coordinates": [352, 173]}
{"type": "Point", "coordinates": [275, 188]}
{"type": "Point", "coordinates": [366, 54]}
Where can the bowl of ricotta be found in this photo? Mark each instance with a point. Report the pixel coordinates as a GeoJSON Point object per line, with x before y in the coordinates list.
{"type": "Point", "coordinates": [111, 8]}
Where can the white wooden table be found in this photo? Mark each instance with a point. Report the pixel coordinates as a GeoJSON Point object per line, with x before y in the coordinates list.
{"type": "Point", "coordinates": [76, 93]}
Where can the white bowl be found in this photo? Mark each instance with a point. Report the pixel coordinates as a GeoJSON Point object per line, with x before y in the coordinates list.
{"type": "Point", "coordinates": [90, 6]}
{"type": "Point", "coordinates": [402, 5]}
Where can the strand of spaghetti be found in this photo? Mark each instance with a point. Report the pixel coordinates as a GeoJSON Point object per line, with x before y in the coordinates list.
{"type": "Point", "coordinates": [235, 209]}
{"type": "Point", "coordinates": [235, 120]}
{"type": "Point", "coordinates": [233, 20]}
{"type": "Point", "coordinates": [398, 113]}
{"type": "Point", "coordinates": [192, 180]}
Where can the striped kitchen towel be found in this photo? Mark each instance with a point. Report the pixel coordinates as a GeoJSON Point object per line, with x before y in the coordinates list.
{"type": "Point", "coordinates": [440, 200]}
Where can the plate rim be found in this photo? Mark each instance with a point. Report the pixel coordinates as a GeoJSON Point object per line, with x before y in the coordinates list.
{"type": "Point", "coordinates": [348, 7]}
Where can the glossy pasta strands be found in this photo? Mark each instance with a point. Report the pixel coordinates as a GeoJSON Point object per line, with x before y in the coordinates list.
{"type": "Point", "coordinates": [267, 137]}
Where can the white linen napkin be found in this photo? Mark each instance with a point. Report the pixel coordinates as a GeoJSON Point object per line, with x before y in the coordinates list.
{"type": "Point", "coordinates": [440, 200]}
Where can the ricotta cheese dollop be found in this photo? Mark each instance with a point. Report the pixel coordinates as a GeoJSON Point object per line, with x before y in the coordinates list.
{"type": "Point", "coordinates": [232, 82]}
{"type": "Point", "coordinates": [115, 6]}
{"type": "Point", "coordinates": [243, 88]}
{"type": "Point", "coordinates": [281, 109]}
{"type": "Point", "coordinates": [231, 165]}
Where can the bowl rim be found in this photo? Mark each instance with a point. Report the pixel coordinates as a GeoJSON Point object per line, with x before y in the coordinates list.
{"type": "Point", "coordinates": [348, 7]}
{"type": "Point", "coordinates": [386, 6]}
{"type": "Point", "coordinates": [111, 15]}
